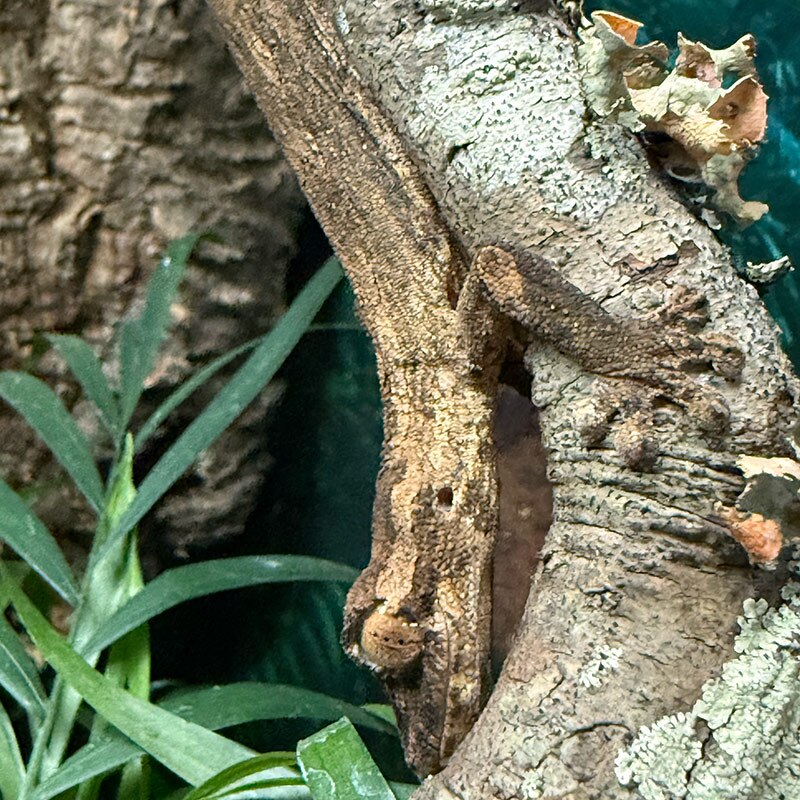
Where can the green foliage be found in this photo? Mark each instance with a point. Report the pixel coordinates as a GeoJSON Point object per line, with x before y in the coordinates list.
{"type": "Point", "coordinates": [190, 751]}
{"type": "Point", "coordinates": [197, 580]}
{"type": "Point", "coordinates": [337, 766]}
{"type": "Point", "coordinates": [18, 675]}
{"type": "Point", "coordinates": [112, 605]}
{"type": "Point", "coordinates": [237, 394]}
{"type": "Point", "coordinates": [256, 775]}
{"type": "Point", "coordinates": [27, 534]}
{"type": "Point", "coordinates": [213, 707]}
{"type": "Point", "coordinates": [327, 436]}
{"type": "Point", "coordinates": [45, 413]}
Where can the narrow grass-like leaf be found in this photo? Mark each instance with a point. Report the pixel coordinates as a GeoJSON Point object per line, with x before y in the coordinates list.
{"type": "Point", "coordinates": [337, 766]}
{"type": "Point", "coordinates": [263, 773]}
{"type": "Point", "coordinates": [196, 580]}
{"type": "Point", "coordinates": [212, 707]}
{"type": "Point", "coordinates": [93, 760]}
{"type": "Point", "coordinates": [187, 388]}
{"type": "Point", "coordinates": [384, 711]}
{"type": "Point", "coordinates": [111, 581]}
{"type": "Point", "coordinates": [18, 675]}
{"type": "Point", "coordinates": [140, 338]}
{"type": "Point", "coordinates": [237, 394]}
{"type": "Point", "coordinates": [86, 368]}
{"type": "Point", "coordinates": [12, 770]}
{"type": "Point", "coordinates": [134, 783]}
{"type": "Point", "coordinates": [402, 791]}
{"type": "Point", "coordinates": [237, 703]}
{"type": "Point", "coordinates": [45, 413]}
{"type": "Point", "coordinates": [128, 664]}
{"type": "Point", "coordinates": [191, 752]}
{"type": "Point", "coordinates": [27, 535]}
{"type": "Point", "coordinates": [106, 587]}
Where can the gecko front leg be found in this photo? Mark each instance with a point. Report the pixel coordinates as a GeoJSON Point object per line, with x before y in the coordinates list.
{"type": "Point", "coordinates": [647, 360]}
{"type": "Point", "coordinates": [419, 615]}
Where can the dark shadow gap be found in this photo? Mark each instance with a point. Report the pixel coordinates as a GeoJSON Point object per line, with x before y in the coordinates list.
{"type": "Point", "coordinates": [526, 505]}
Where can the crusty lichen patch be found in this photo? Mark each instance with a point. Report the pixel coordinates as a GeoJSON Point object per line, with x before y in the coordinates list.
{"type": "Point", "coordinates": [603, 661]}
{"type": "Point", "coordinates": [742, 738]}
{"type": "Point", "coordinates": [706, 127]}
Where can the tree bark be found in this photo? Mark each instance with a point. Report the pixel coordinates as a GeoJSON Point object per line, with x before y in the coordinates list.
{"type": "Point", "coordinates": [633, 606]}
{"type": "Point", "coordinates": [124, 126]}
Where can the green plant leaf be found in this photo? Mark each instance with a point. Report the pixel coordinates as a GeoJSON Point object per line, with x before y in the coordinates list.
{"type": "Point", "coordinates": [237, 394]}
{"type": "Point", "coordinates": [266, 774]}
{"type": "Point", "coordinates": [382, 710]}
{"type": "Point", "coordinates": [88, 371]}
{"type": "Point", "coordinates": [191, 752]}
{"type": "Point", "coordinates": [12, 770]}
{"type": "Point", "coordinates": [18, 674]}
{"type": "Point", "coordinates": [213, 707]}
{"type": "Point", "coordinates": [236, 703]}
{"type": "Point", "coordinates": [140, 338]}
{"type": "Point", "coordinates": [134, 783]}
{"type": "Point", "coordinates": [27, 535]}
{"type": "Point", "coordinates": [337, 766]}
{"type": "Point", "coordinates": [93, 760]}
{"type": "Point", "coordinates": [402, 791]}
{"type": "Point", "coordinates": [188, 387]}
{"type": "Point", "coordinates": [108, 584]}
{"type": "Point", "coordinates": [196, 580]}
{"type": "Point", "coordinates": [128, 663]}
{"type": "Point", "coordinates": [111, 581]}
{"type": "Point", "coordinates": [45, 413]}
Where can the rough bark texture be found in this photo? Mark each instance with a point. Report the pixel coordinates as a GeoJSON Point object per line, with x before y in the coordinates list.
{"type": "Point", "coordinates": [634, 604]}
{"type": "Point", "coordinates": [635, 564]}
{"type": "Point", "coordinates": [124, 125]}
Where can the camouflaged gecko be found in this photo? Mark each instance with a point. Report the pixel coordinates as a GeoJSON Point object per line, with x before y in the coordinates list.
{"type": "Point", "coordinates": [419, 614]}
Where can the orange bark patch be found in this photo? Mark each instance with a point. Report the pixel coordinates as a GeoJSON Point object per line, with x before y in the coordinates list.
{"type": "Point", "coordinates": [762, 538]}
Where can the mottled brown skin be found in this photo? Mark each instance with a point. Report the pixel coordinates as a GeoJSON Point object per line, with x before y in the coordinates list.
{"type": "Point", "coordinates": [419, 613]}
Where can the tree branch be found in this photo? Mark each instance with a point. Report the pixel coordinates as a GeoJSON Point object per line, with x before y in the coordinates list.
{"type": "Point", "coordinates": [634, 602]}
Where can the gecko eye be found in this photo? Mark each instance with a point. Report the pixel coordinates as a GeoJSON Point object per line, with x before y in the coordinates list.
{"type": "Point", "coordinates": [389, 641]}
{"type": "Point", "coordinates": [444, 497]}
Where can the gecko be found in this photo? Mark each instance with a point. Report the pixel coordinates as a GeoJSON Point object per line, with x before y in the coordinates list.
{"type": "Point", "coordinates": [419, 614]}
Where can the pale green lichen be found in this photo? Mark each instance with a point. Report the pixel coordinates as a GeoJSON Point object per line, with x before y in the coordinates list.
{"type": "Point", "coordinates": [742, 738]}
{"type": "Point", "coordinates": [603, 661]}
{"type": "Point", "coordinates": [769, 271]}
{"type": "Point", "coordinates": [441, 10]}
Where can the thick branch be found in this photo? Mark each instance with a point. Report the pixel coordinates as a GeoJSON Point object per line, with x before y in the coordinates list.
{"type": "Point", "coordinates": [633, 606]}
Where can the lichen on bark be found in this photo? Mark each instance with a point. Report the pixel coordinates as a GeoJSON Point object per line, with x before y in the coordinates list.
{"type": "Point", "coordinates": [742, 737]}
{"type": "Point", "coordinates": [490, 101]}
{"type": "Point", "coordinates": [638, 565]}
{"type": "Point", "coordinates": [709, 129]}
